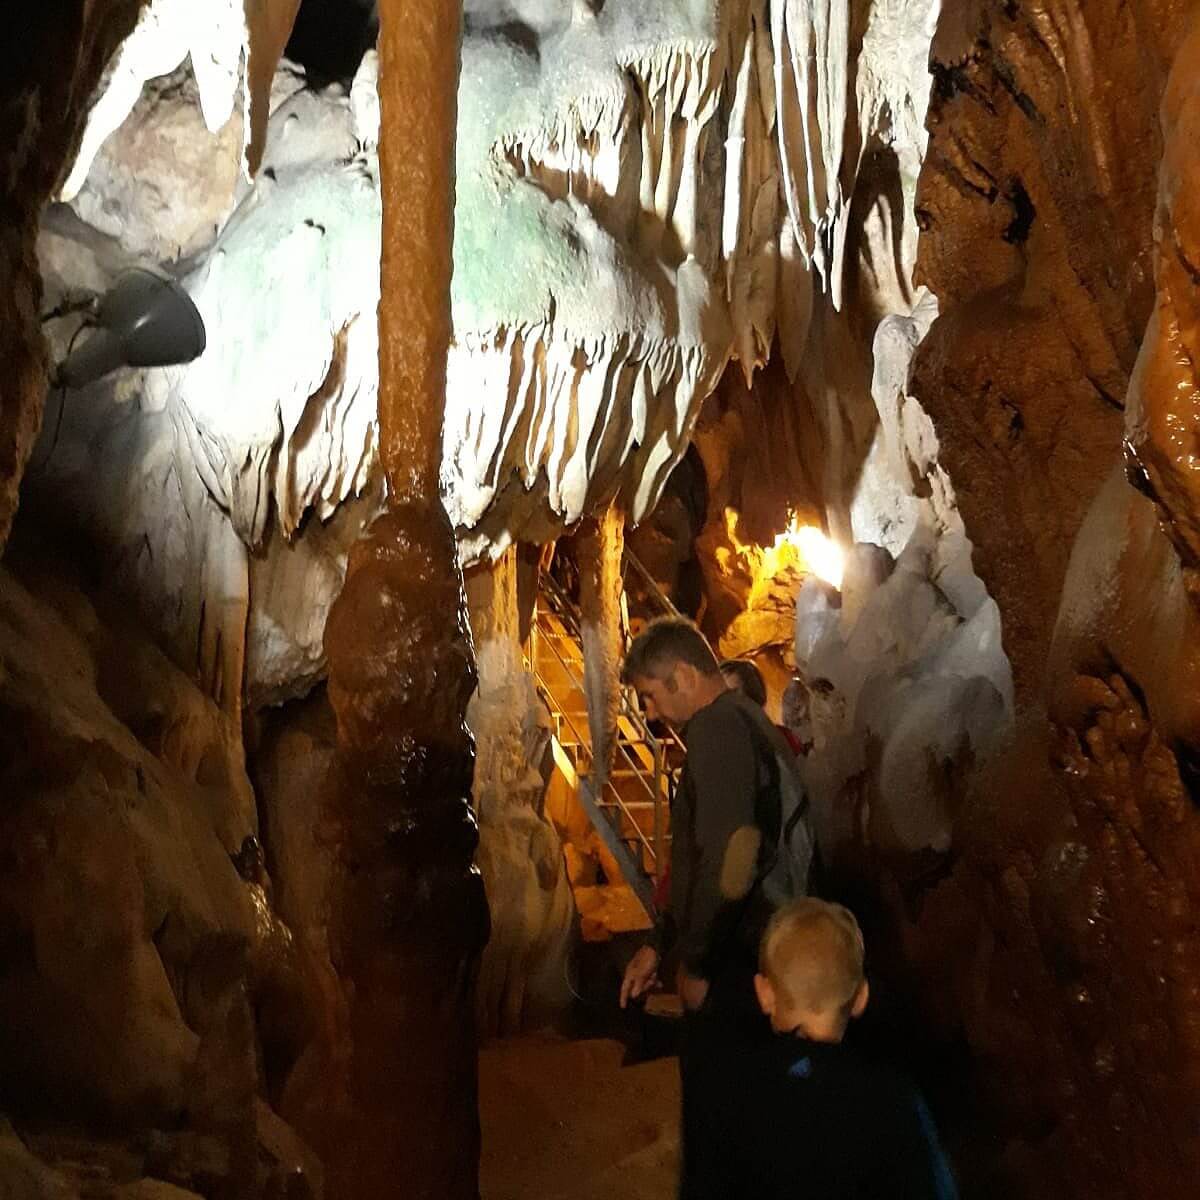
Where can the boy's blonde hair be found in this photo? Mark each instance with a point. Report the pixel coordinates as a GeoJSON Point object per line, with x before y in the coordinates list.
{"type": "Point", "coordinates": [812, 953]}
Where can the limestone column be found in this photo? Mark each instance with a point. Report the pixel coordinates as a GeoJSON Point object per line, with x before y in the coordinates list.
{"type": "Point", "coordinates": [523, 976]}
{"type": "Point", "coordinates": [408, 916]}
{"type": "Point", "coordinates": [599, 546]}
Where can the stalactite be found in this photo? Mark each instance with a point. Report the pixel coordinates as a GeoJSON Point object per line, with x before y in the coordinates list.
{"type": "Point", "coordinates": [600, 545]}
{"type": "Point", "coordinates": [408, 914]}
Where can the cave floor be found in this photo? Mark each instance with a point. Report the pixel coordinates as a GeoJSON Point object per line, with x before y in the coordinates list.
{"type": "Point", "coordinates": [563, 1119]}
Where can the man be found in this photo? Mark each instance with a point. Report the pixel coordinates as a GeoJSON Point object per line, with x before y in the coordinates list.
{"type": "Point", "coordinates": [723, 832]}
{"type": "Point", "coordinates": [742, 675]}
{"type": "Point", "coordinates": [725, 829]}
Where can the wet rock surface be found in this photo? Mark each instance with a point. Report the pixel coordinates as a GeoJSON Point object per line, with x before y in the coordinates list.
{"type": "Point", "coordinates": [146, 982]}
{"type": "Point", "coordinates": [1068, 925]}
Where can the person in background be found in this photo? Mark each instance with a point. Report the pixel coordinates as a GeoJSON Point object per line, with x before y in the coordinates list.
{"type": "Point", "coordinates": [745, 677]}
{"type": "Point", "coordinates": [742, 674]}
{"type": "Point", "coordinates": [795, 715]}
{"type": "Point", "coordinates": [804, 1114]}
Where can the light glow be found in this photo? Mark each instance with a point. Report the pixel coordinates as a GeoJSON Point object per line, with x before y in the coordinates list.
{"type": "Point", "coordinates": [816, 553]}
{"type": "Point", "coordinates": [798, 550]}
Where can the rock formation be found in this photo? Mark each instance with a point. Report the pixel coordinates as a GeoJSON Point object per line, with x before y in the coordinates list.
{"type": "Point", "coordinates": [43, 113]}
{"type": "Point", "coordinates": [923, 277]}
{"type": "Point", "coordinates": [1037, 204]}
{"type": "Point", "coordinates": [524, 972]}
{"type": "Point", "coordinates": [408, 917]}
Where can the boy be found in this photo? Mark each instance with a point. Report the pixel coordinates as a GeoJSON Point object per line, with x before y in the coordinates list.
{"type": "Point", "coordinates": [801, 1115]}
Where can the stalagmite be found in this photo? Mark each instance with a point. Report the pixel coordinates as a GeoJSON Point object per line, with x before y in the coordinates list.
{"type": "Point", "coordinates": [523, 975]}
{"type": "Point", "coordinates": [600, 544]}
{"type": "Point", "coordinates": [408, 915]}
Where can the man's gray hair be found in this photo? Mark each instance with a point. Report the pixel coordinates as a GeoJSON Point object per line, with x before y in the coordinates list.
{"type": "Point", "coordinates": [662, 645]}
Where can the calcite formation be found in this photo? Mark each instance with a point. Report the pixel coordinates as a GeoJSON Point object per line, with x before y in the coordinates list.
{"type": "Point", "coordinates": [233, 47]}
{"type": "Point", "coordinates": [1074, 893]}
{"type": "Point", "coordinates": [525, 967]}
{"type": "Point", "coordinates": [408, 914]}
{"type": "Point", "coordinates": [614, 244]}
{"type": "Point", "coordinates": [905, 691]}
{"type": "Point", "coordinates": [206, 473]}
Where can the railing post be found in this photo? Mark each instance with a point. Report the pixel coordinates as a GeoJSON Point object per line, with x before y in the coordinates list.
{"type": "Point", "coordinates": [659, 822]}
{"type": "Point", "coordinates": [533, 637]}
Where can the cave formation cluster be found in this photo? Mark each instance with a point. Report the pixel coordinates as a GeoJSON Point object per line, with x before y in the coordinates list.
{"type": "Point", "coordinates": [666, 276]}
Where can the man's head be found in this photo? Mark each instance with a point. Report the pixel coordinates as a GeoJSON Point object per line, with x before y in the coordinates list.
{"type": "Point", "coordinates": [673, 669]}
{"type": "Point", "coordinates": [743, 676]}
{"type": "Point", "coordinates": [811, 979]}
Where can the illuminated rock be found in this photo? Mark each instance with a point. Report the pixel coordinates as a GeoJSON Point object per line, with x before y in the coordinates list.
{"type": "Point", "coordinates": [614, 243]}
{"type": "Point", "coordinates": [524, 971]}
{"type": "Point", "coordinates": [233, 47]}
{"type": "Point", "coordinates": [904, 692]}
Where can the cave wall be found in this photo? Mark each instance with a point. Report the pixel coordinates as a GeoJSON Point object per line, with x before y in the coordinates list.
{"type": "Point", "coordinates": [148, 989]}
{"type": "Point", "coordinates": [48, 81]}
{"type": "Point", "coordinates": [1037, 204]}
{"type": "Point", "coordinates": [1067, 931]}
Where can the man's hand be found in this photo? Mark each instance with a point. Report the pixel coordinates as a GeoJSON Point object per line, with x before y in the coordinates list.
{"type": "Point", "coordinates": [641, 975]}
{"type": "Point", "coordinates": [693, 990]}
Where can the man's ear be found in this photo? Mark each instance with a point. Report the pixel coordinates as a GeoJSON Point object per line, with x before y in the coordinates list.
{"type": "Point", "coordinates": [687, 677]}
{"type": "Point", "coordinates": [765, 993]}
{"type": "Point", "coordinates": [860, 999]}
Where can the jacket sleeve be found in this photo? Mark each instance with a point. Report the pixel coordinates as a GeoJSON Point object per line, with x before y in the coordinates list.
{"type": "Point", "coordinates": [664, 934]}
{"type": "Point", "coordinates": [919, 1169]}
{"type": "Point", "coordinates": [724, 768]}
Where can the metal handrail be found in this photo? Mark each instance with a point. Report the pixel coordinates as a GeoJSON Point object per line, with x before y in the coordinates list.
{"type": "Point", "coordinates": [566, 612]}
{"type": "Point", "coordinates": [652, 778]}
{"type": "Point", "coordinates": [660, 597]}
{"type": "Point", "coordinates": [654, 850]}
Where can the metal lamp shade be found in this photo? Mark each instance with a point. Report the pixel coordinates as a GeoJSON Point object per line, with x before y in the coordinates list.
{"type": "Point", "coordinates": [144, 320]}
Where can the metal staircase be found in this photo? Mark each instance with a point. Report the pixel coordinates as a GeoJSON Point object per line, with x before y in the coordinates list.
{"type": "Point", "coordinates": [630, 810]}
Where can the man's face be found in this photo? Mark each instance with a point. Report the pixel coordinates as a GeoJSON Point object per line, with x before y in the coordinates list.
{"type": "Point", "coordinates": [665, 698]}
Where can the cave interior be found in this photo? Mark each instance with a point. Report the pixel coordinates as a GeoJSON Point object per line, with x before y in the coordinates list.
{"type": "Point", "coordinates": [376, 371]}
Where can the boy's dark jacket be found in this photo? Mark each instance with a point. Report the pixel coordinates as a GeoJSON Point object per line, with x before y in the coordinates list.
{"type": "Point", "coordinates": [788, 1119]}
